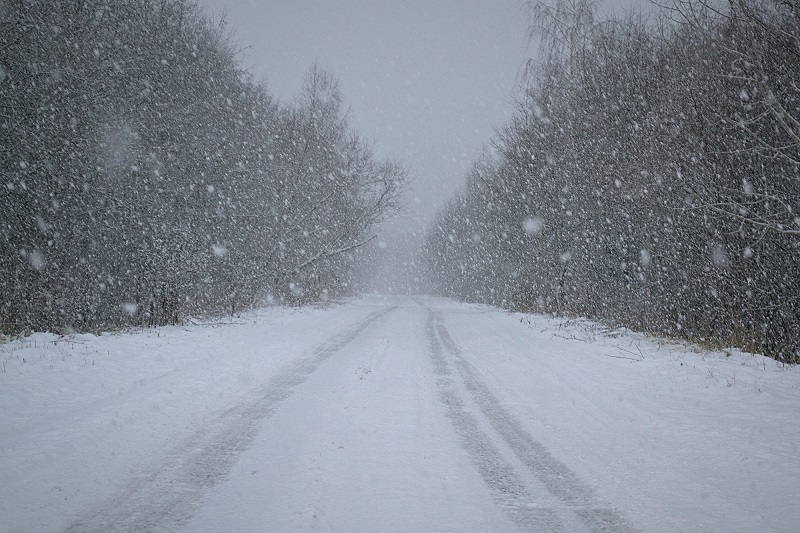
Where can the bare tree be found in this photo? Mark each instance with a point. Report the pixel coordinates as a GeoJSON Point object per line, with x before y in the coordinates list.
{"type": "Point", "coordinates": [760, 40]}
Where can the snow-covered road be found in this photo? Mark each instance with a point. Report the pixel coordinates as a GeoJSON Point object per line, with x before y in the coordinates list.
{"type": "Point", "coordinates": [394, 414]}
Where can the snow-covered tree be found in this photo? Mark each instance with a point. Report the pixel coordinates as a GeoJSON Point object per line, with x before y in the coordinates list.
{"type": "Point", "coordinates": [145, 176]}
{"type": "Point", "coordinates": [647, 179]}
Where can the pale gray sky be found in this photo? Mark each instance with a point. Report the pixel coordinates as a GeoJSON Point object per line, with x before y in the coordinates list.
{"type": "Point", "coordinates": [426, 81]}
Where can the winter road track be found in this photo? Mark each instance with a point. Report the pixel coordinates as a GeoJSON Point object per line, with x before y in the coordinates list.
{"type": "Point", "coordinates": [571, 506]}
{"type": "Point", "coordinates": [388, 414]}
{"type": "Point", "coordinates": [399, 432]}
{"type": "Point", "coordinates": [168, 497]}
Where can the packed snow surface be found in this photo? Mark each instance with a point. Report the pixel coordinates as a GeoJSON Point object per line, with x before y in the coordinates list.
{"type": "Point", "coordinates": [394, 414]}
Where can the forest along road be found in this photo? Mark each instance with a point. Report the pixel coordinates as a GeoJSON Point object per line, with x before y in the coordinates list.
{"type": "Point", "coordinates": [420, 414]}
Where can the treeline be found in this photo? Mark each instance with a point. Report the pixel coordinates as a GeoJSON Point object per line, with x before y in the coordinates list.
{"type": "Point", "coordinates": [145, 176]}
{"type": "Point", "coordinates": [650, 178]}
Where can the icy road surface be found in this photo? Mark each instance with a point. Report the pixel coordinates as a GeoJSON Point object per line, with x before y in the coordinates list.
{"type": "Point", "coordinates": [393, 414]}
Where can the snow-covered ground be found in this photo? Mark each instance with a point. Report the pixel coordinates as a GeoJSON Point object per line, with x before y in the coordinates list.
{"type": "Point", "coordinates": [393, 414]}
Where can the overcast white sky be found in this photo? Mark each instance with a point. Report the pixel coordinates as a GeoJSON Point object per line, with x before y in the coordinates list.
{"type": "Point", "coordinates": [426, 81]}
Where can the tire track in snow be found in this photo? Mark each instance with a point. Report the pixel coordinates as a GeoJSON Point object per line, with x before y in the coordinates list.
{"type": "Point", "coordinates": [166, 499]}
{"type": "Point", "coordinates": [506, 485]}
{"type": "Point", "coordinates": [552, 473]}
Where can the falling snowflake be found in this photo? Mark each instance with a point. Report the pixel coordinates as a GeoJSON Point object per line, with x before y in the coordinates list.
{"type": "Point", "coordinates": [718, 255]}
{"type": "Point", "coordinates": [744, 96]}
{"type": "Point", "coordinates": [533, 225]}
{"type": "Point", "coordinates": [645, 258]}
